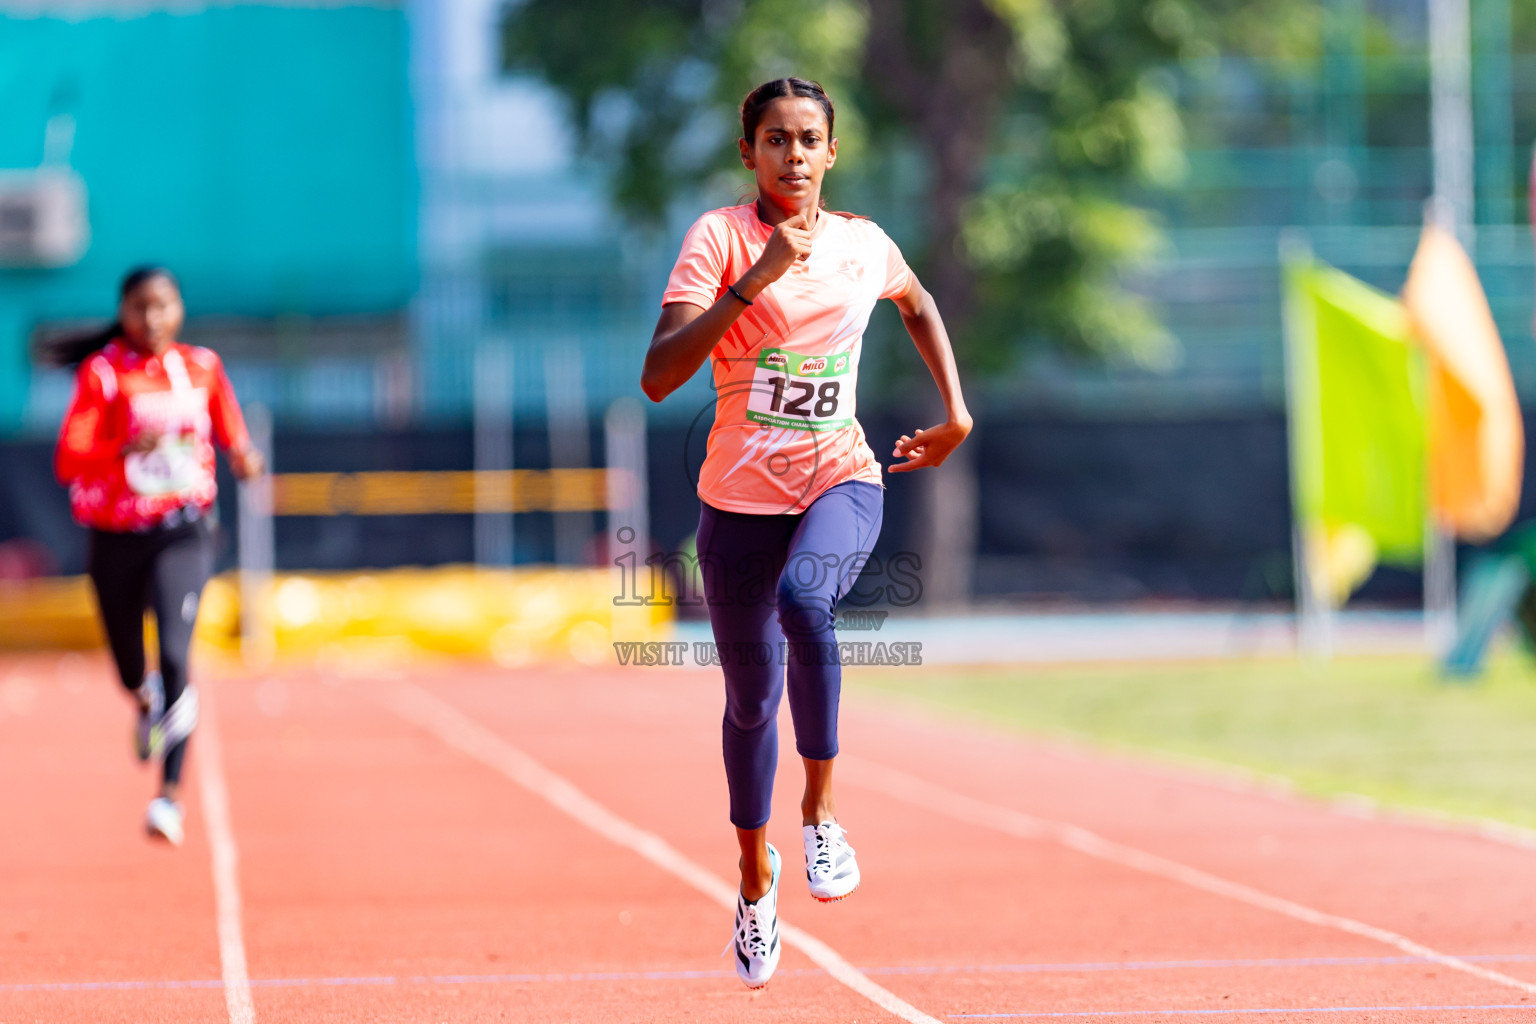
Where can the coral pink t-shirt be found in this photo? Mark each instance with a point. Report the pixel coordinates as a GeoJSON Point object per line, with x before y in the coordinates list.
{"type": "Point", "coordinates": [786, 371]}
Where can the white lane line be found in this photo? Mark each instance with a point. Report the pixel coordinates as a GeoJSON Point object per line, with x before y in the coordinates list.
{"type": "Point", "coordinates": [226, 860]}
{"type": "Point", "coordinates": [935, 799]}
{"type": "Point", "coordinates": [469, 737]}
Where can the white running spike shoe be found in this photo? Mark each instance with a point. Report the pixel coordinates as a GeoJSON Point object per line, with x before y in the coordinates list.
{"type": "Point", "coordinates": [165, 820]}
{"type": "Point", "coordinates": [757, 932]}
{"type": "Point", "coordinates": [144, 735]}
{"type": "Point", "coordinates": [177, 722]}
{"type": "Point", "coordinates": [829, 863]}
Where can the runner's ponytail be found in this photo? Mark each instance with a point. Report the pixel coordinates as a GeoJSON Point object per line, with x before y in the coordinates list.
{"type": "Point", "coordinates": [71, 350]}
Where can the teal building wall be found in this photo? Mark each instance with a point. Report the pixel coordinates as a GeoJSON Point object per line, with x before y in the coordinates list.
{"type": "Point", "coordinates": [263, 153]}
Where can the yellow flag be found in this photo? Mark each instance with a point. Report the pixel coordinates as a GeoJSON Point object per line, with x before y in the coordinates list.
{"type": "Point", "coordinates": [1476, 438]}
{"type": "Point", "coordinates": [1355, 394]}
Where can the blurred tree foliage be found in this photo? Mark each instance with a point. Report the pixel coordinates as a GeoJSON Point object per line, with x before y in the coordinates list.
{"type": "Point", "coordinates": [1013, 131]}
{"type": "Point", "coordinates": [1024, 124]}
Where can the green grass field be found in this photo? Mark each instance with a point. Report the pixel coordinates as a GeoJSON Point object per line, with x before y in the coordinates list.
{"type": "Point", "coordinates": [1385, 728]}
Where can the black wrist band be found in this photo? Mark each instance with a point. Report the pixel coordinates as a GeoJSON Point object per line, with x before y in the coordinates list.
{"type": "Point", "coordinates": [732, 289]}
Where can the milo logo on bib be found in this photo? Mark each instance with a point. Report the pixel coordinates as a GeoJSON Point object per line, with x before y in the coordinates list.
{"type": "Point", "coordinates": [802, 392]}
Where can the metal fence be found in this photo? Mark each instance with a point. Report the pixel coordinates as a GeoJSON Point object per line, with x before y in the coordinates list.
{"type": "Point", "coordinates": [1338, 147]}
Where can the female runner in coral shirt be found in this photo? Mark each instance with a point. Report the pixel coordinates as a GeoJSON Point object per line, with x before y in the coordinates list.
{"type": "Point", "coordinates": [136, 449]}
{"type": "Point", "coordinates": [777, 293]}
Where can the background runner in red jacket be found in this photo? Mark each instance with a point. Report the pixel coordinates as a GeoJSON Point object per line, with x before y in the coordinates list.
{"type": "Point", "coordinates": [137, 451]}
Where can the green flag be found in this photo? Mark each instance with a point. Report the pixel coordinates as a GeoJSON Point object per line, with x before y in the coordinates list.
{"type": "Point", "coordinates": [1357, 419]}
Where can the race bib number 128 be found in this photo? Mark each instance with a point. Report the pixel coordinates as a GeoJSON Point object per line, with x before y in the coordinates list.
{"type": "Point", "coordinates": [802, 392]}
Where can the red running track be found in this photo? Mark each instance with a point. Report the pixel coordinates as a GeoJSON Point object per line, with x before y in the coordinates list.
{"type": "Point", "coordinates": [468, 844]}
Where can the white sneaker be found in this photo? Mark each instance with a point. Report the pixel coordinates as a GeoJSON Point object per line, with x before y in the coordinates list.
{"type": "Point", "coordinates": [165, 820]}
{"type": "Point", "coordinates": [145, 736]}
{"type": "Point", "coordinates": [829, 863]}
{"type": "Point", "coordinates": [757, 932]}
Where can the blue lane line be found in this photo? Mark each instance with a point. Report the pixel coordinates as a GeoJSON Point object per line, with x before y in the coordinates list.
{"type": "Point", "coordinates": [937, 969]}
{"type": "Point", "coordinates": [1231, 1012]}
{"type": "Point", "coordinates": [1167, 965]}
{"type": "Point", "coordinates": [415, 979]}
{"type": "Point", "coordinates": [305, 982]}
{"type": "Point", "coordinates": [106, 986]}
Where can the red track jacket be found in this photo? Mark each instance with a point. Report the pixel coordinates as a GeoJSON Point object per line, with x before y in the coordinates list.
{"type": "Point", "coordinates": [184, 396]}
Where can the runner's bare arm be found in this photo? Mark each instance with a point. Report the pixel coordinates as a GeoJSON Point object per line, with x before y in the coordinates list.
{"type": "Point", "coordinates": [932, 446]}
{"type": "Point", "coordinates": [686, 334]}
{"type": "Point", "coordinates": [684, 337]}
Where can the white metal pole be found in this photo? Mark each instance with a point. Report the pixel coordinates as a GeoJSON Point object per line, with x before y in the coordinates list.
{"type": "Point", "coordinates": [629, 527]}
{"type": "Point", "coordinates": [1450, 115]}
{"type": "Point", "coordinates": [493, 454]}
{"type": "Point", "coordinates": [628, 500]}
{"type": "Point", "coordinates": [569, 440]}
{"type": "Point", "coordinates": [1451, 139]}
{"type": "Point", "coordinates": [1314, 604]}
{"type": "Point", "coordinates": [256, 551]}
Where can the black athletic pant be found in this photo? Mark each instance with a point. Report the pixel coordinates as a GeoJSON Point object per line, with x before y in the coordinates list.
{"type": "Point", "coordinates": [163, 569]}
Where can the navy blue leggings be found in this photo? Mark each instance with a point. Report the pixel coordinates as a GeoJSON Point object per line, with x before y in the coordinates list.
{"type": "Point", "coordinates": [772, 583]}
{"type": "Point", "coordinates": [165, 569]}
